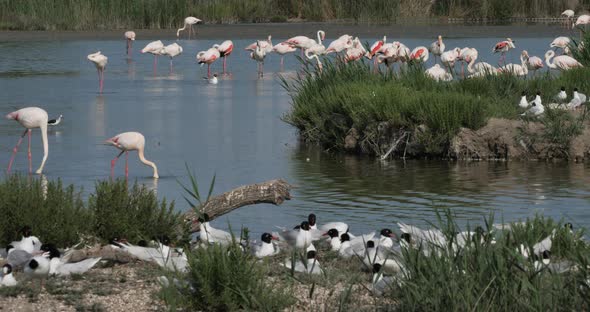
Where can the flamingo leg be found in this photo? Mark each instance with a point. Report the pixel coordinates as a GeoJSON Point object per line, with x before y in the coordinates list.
{"type": "Point", "coordinates": [113, 162]}
{"type": "Point", "coordinates": [126, 164]}
{"type": "Point", "coordinates": [208, 70]}
{"type": "Point", "coordinates": [29, 155]}
{"type": "Point", "coordinates": [171, 67]}
{"type": "Point", "coordinates": [15, 149]}
{"type": "Point", "coordinates": [101, 79]}
{"type": "Point", "coordinates": [282, 59]}
{"type": "Point", "coordinates": [189, 32]}
{"type": "Point", "coordinates": [224, 65]}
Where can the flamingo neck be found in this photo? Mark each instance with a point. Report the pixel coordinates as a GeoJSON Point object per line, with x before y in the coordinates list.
{"type": "Point", "coordinates": [548, 61]}
{"type": "Point", "coordinates": [147, 162]}
{"type": "Point", "coordinates": [43, 128]}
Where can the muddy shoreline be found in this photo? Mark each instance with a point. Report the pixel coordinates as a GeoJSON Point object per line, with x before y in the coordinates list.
{"type": "Point", "coordinates": [285, 30]}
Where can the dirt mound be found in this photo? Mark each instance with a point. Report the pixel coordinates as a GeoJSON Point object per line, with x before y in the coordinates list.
{"type": "Point", "coordinates": [514, 139]}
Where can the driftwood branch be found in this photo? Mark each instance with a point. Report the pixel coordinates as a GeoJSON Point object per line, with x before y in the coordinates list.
{"type": "Point", "coordinates": [270, 192]}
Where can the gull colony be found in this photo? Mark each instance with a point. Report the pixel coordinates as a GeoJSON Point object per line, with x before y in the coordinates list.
{"type": "Point", "coordinates": [297, 249]}
{"type": "Point", "coordinates": [347, 48]}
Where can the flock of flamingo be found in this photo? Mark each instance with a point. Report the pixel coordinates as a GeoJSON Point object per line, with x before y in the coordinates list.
{"type": "Point", "coordinates": [348, 48]}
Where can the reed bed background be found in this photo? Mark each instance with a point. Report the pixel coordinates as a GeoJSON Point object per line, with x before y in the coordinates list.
{"type": "Point", "coordinates": [166, 14]}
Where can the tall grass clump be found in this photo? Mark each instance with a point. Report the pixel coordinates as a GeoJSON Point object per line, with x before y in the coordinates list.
{"type": "Point", "coordinates": [60, 215]}
{"type": "Point", "coordinates": [55, 212]}
{"type": "Point", "coordinates": [134, 213]}
{"type": "Point", "coordinates": [326, 106]}
{"type": "Point", "coordinates": [225, 279]}
{"type": "Point", "coordinates": [492, 275]}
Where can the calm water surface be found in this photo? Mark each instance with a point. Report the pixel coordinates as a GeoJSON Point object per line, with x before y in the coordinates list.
{"type": "Point", "coordinates": [234, 130]}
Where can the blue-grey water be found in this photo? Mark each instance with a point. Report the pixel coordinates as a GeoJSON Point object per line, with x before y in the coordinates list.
{"type": "Point", "coordinates": [234, 130]}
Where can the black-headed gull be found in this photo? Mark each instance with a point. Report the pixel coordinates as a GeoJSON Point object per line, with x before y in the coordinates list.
{"type": "Point", "coordinates": [266, 247]}
{"type": "Point", "coordinates": [385, 240]}
{"type": "Point", "coordinates": [539, 247]}
{"type": "Point", "coordinates": [373, 255]}
{"type": "Point", "coordinates": [212, 235]}
{"type": "Point", "coordinates": [346, 251]}
{"type": "Point", "coordinates": [381, 283]}
{"type": "Point", "coordinates": [17, 258]}
{"type": "Point", "coordinates": [7, 279]}
{"type": "Point", "coordinates": [147, 254]}
{"type": "Point", "coordinates": [335, 242]}
{"type": "Point", "coordinates": [59, 266]}
{"type": "Point", "coordinates": [38, 267]}
{"type": "Point", "coordinates": [310, 264]}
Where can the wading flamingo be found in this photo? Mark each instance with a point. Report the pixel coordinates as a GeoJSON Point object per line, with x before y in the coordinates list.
{"type": "Point", "coordinates": [30, 118]}
{"type": "Point", "coordinates": [438, 73]}
{"type": "Point", "coordinates": [282, 49]}
{"type": "Point", "coordinates": [480, 69]}
{"type": "Point", "coordinates": [533, 63]}
{"type": "Point", "coordinates": [265, 44]}
{"type": "Point", "coordinates": [419, 54]}
{"type": "Point", "coordinates": [561, 62]}
{"type": "Point", "coordinates": [188, 21]}
{"type": "Point", "coordinates": [568, 14]}
{"type": "Point", "coordinates": [100, 61]}
{"type": "Point", "coordinates": [516, 69]}
{"type": "Point", "coordinates": [561, 43]}
{"type": "Point", "coordinates": [465, 57]}
{"type": "Point", "coordinates": [342, 43]}
{"type": "Point", "coordinates": [154, 48]}
{"type": "Point", "coordinates": [208, 57]}
{"type": "Point", "coordinates": [437, 48]}
{"type": "Point", "coordinates": [258, 55]}
{"type": "Point", "coordinates": [304, 43]}
{"type": "Point", "coordinates": [503, 47]}
{"type": "Point", "coordinates": [356, 52]}
{"type": "Point", "coordinates": [448, 58]}
{"type": "Point", "coordinates": [311, 56]}
{"type": "Point", "coordinates": [172, 50]}
{"type": "Point", "coordinates": [225, 49]}
{"type": "Point", "coordinates": [582, 20]}
{"type": "Point", "coordinates": [130, 141]}
{"type": "Point", "coordinates": [378, 47]}
{"type": "Point", "coordinates": [129, 37]}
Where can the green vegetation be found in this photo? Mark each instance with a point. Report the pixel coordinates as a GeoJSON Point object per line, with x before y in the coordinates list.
{"type": "Point", "coordinates": [489, 274]}
{"type": "Point", "coordinates": [138, 14]}
{"type": "Point", "coordinates": [59, 215]}
{"type": "Point", "coordinates": [327, 106]}
{"type": "Point", "coordinates": [225, 279]}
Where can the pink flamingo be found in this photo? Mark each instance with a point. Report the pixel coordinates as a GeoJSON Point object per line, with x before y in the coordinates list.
{"type": "Point", "coordinates": [130, 141]}
{"type": "Point", "coordinates": [188, 21]}
{"type": "Point", "coordinates": [100, 61]}
{"type": "Point", "coordinates": [130, 37]}
{"type": "Point", "coordinates": [437, 48]}
{"type": "Point", "coordinates": [304, 43]}
{"type": "Point", "coordinates": [264, 44]}
{"type": "Point", "coordinates": [172, 50]}
{"type": "Point", "coordinates": [467, 54]}
{"type": "Point", "coordinates": [533, 63]}
{"type": "Point", "coordinates": [568, 14]}
{"type": "Point", "coordinates": [377, 47]}
{"type": "Point", "coordinates": [561, 62]}
{"type": "Point", "coordinates": [208, 57]}
{"type": "Point", "coordinates": [503, 47]}
{"type": "Point", "coordinates": [561, 43]}
{"type": "Point", "coordinates": [154, 48]}
{"type": "Point", "coordinates": [258, 55]}
{"type": "Point", "coordinates": [342, 43]}
{"type": "Point", "coordinates": [419, 54]}
{"type": "Point", "coordinates": [30, 118]}
{"type": "Point", "coordinates": [282, 49]}
{"type": "Point", "coordinates": [356, 52]}
{"type": "Point", "coordinates": [225, 49]}
{"type": "Point", "coordinates": [582, 20]}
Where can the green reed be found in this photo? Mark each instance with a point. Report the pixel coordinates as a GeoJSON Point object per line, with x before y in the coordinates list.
{"type": "Point", "coordinates": [139, 14]}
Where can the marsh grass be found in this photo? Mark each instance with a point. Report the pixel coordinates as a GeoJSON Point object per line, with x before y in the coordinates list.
{"type": "Point", "coordinates": [115, 14]}
{"type": "Point", "coordinates": [327, 105]}
{"type": "Point", "coordinates": [225, 279]}
{"type": "Point", "coordinates": [491, 275]}
{"type": "Point", "coordinates": [58, 213]}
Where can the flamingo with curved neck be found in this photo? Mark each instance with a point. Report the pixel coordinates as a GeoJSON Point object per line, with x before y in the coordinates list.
{"type": "Point", "coordinates": [130, 141]}
{"type": "Point", "coordinates": [561, 62]}
{"type": "Point", "coordinates": [30, 118]}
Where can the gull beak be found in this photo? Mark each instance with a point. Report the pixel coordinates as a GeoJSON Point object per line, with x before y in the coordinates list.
{"type": "Point", "coordinates": [274, 238]}
{"type": "Point", "coordinates": [325, 234]}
